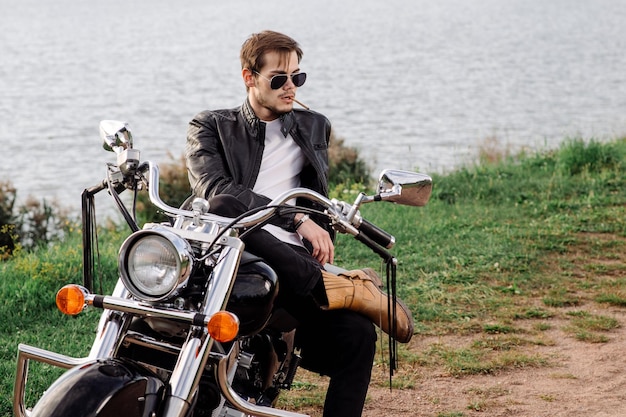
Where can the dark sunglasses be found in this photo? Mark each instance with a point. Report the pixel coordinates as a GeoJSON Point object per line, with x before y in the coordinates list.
{"type": "Point", "coordinates": [279, 80]}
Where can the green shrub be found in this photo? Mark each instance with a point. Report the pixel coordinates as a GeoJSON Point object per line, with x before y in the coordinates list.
{"type": "Point", "coordinates": [173, 188]}
{"type": "Point", "coordinates": [40, 222]}
{"type": "Point", "coordinates": [7, 219]}
{"type": "Point", "coordinates": [35, 223]}
{"type": "Point", "coordinates": [345, 165]}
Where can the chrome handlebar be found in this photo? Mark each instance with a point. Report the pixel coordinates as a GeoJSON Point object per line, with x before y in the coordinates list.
{"type": "Point", "coordinates": [333, 207]}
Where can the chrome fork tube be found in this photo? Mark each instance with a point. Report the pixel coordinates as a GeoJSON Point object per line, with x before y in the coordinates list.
{"type": "Point", "coordinates": [108, 334]}
{"type": "Point", "coordinates": [195, 352]}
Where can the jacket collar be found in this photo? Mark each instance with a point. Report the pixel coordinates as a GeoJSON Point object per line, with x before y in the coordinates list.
{"type": "Point", "coordinates": [288, 120]}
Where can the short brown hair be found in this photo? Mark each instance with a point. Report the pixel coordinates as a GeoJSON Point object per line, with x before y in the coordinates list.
{"type": "Point", "coordinates": [257, 45]}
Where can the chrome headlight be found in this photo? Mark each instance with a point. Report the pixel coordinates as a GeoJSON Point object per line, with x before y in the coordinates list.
{"type": "Point", "coordinates": [153, 263]}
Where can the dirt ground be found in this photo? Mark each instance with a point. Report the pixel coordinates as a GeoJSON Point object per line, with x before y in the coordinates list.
{"type": "Point", "coordinates": [583, 379]}
{"type": "Point", "coordinates": [575, 378]}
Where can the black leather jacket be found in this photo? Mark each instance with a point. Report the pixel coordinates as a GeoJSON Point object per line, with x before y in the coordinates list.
{"type": "Point", "coordinates": [225, 147]}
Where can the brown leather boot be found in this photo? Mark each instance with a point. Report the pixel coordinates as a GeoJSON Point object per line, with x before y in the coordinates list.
{"type": "Point", "coordinates": [359, 291]}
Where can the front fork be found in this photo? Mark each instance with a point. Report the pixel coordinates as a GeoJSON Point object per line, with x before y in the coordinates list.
{"type": "Point", "coordinates": [192, 357]}
{"type": "Point", "coordinates": [195, 352]}
{"type": "Point", "coordinates": [113, 325]}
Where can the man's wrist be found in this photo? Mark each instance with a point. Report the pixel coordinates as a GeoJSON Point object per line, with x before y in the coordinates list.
{"type": "Point", "coordinates": [302, 219]}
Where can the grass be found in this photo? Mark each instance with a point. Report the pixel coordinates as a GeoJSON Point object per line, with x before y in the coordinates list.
{"type": "Point", "coordinates": [504, 251]}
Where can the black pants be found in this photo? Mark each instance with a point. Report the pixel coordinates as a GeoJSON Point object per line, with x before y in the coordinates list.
{"type": "Point", "coordinates": [339, 343]}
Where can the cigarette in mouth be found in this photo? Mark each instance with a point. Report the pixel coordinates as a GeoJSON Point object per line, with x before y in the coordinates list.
{"type": "Point", "coordinates": [306, 107]}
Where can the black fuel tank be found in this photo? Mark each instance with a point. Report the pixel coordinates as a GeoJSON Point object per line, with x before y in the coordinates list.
{"type": "Point", "coordinates": [253, 294]}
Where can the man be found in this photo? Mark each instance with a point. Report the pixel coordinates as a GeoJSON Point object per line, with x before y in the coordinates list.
{"type": "Point", "coordinates": [242, 158]}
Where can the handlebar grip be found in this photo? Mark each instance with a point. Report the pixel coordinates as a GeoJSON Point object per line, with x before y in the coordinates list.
{"type": "Point", "coordinates": [377, 234]}
{"type": "Point", "coordinates": [379, 250]}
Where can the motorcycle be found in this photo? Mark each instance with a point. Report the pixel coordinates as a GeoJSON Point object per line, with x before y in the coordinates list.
{"type": "Point", "coordinates": [190, 329]}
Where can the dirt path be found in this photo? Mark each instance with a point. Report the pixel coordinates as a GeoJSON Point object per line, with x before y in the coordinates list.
{"type": "Point", "coordinates": [583, 379]}
{"type": "Point", "coordinates": [570, 377]}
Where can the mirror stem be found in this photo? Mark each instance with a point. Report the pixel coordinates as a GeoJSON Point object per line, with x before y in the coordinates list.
{"type": "Point", "coordinates": [355, 207]}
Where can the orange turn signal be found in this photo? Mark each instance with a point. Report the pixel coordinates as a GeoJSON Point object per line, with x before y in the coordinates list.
{"type": "Point", "coordinates": [71, 299]}
{"type": "Point", "coordinates": [223, 326]}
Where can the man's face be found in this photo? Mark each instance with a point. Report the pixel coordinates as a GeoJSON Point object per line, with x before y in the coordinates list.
{"type": "Point", "coordinates": [269, 104]}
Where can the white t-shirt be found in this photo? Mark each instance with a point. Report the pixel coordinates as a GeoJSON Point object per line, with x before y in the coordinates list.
{"type": "Point", "coordinates": [281, 165]}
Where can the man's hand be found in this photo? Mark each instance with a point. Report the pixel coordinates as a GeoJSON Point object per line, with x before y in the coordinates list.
{"type": "Point", "coordinates": [323, 247]}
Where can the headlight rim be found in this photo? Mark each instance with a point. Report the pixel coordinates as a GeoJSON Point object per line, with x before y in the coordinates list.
{"type": "Point", "coordinates": [178, 246]}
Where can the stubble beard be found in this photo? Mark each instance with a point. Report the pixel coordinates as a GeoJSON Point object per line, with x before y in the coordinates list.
{"type": "Point", "coordinates": [274, 105]}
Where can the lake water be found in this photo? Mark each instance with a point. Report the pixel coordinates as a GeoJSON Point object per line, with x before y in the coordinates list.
{"type": "Point", "coordinates": [414, 84]}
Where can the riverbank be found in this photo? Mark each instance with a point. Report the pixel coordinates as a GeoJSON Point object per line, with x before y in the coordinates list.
{"type": "Point", "coordinates": [514, 272]}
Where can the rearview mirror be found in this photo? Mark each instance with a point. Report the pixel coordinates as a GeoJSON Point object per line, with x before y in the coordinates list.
{"type": "Point", "coordinates": [404, 187]}
{"type": "Point", "coordinates": [115, 135]}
